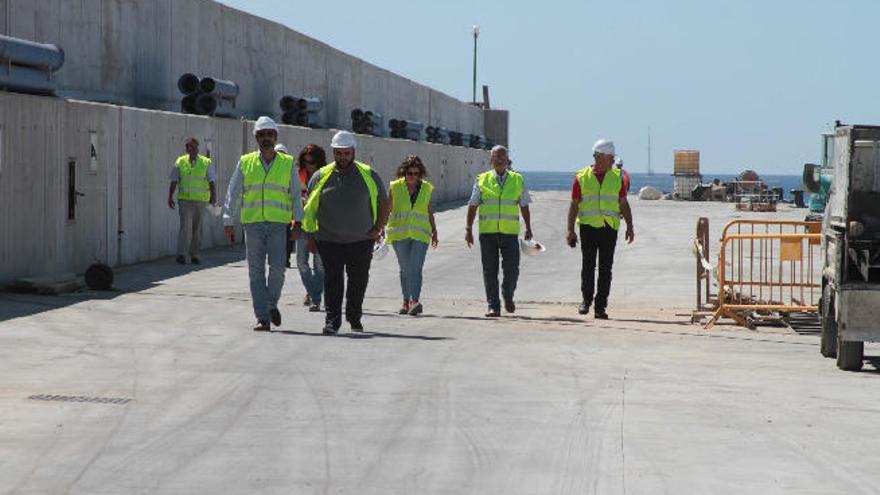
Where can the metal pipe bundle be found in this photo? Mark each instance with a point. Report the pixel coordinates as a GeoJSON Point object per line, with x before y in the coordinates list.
{"type": "Point", "coordinates": [207, 96]}
{"type": "Point", "coordinates": [301, 111]}
{"type": "Point", "coordinates": [439, 135]}
{"type": "Point", "coordinates": [220, 88]}
{"type": "Point", "coordinates": [366, 122]}
{"type": "Point", "coordinates": [27, 66]}
{"type": "Point", "coordinates": [26, 80]}
{"type": "Point", "coordinates": [406, 129]}
{"type": "Point", "coordinates": [31, 54]}
{"type": "Point", "coordinates": [188, 84]}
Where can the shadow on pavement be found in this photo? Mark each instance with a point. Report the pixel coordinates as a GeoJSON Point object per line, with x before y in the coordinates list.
{"type": "Point", "coordinates": [127, 279]}
{"type": "Point", "coordinates": [364, 335]}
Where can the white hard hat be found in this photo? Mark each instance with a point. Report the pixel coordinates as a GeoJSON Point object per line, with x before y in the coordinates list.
{"type": "Point", "coordinates": [380, 249]}
{"type": "Point", "coordinates": [531, 247]}
{"type": "Point", "coordinates": [265, 123]}
{"type": "Point", "coordinates": [215, 210]}
{"type": "Point", "coordinates": [604, 147]}
{"type": "Point", "coordinates": [280, 147]}
{"type": "Point", "coordinates": [343, 139]}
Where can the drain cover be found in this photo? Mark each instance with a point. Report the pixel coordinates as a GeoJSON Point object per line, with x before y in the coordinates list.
{"type": "Point", "coordinates": [81, 398]}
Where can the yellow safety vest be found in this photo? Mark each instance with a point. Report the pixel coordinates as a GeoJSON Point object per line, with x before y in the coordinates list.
{"type": "Point", "coordinates": [408, 220]}
{"type": "Point", "coordinates": [310, 220]}
{"type": "Point", "coordinates": [192, 184]}
{"type": "Point", "coordinates": [600, 203]}
{"type": "Point", "coordinates": [266, 195]}
{"type": "Point", "coordinates": [499, 207]}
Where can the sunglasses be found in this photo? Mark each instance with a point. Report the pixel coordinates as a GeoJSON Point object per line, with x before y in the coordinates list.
{"type": "Point", "coordinates": [261, 134]}
{"type": "Point", "coordinates": [413, 173]}
{"type": "Point", "coordinates": [308, 161]}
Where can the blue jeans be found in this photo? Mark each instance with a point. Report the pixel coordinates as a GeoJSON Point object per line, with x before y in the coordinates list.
{"type": "Point", "coordinates": [493, 247]}
{"type": "Point", "coordinates": [411, 258]}
{"type": "Point", "coordinates": [265, 240]}
{"type": "Point", "coordinates": [312, 276]}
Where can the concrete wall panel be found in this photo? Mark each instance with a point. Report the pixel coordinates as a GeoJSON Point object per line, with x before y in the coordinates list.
{"type": "Point", "coordinates": [133, 53]}
{"type": "Point", "coordinates": [127, 188]}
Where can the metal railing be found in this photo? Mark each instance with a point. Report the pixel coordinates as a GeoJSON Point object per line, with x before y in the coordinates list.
{"type": "Point", "coordinates": [766, 270]}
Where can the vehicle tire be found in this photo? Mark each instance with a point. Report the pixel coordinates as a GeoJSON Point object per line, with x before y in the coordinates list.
{"type": "Point", "coordinates": [850, 355]}
{"type": "Point", "coordinates": [828, 340]}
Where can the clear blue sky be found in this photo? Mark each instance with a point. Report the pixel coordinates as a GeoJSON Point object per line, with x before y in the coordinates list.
{"type": "Point", "coordinates": [750, 83]}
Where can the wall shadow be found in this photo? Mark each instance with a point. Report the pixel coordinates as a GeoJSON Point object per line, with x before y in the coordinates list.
{"type": "Point", "coordinates": [127, 279]}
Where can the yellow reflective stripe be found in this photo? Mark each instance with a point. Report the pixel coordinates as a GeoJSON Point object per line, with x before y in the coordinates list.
{"type": "Point", "coordinates": [273, 204]}
{"type": "Point", "coordinates": [271, 187]}
{"type": "Point", "coordinates": [416, 228]}
{"type": "Point", "coordinates": [405, 214]}
{"type": "Point", "coordinates": [498, 216]}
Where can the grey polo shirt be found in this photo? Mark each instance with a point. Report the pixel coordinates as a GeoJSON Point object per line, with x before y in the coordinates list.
{"type": "Point", "coordinates": [345, 214]}
{"type": "Point", "coordinates": [476, 196]}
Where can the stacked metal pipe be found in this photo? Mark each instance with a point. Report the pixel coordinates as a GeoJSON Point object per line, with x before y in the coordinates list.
{"type": "Point", "coordinates": [438, 135]}
{"type": "Point", "coordinates": [366, 122]}
{"type": "Point", "coordinates": [207, 96]}
{"type": "Point", "coordinates": [406, 129]}
{"type": "Point", "coordinates": [27, 66]}
{"type": "Point", "coordinates": [301, 111]}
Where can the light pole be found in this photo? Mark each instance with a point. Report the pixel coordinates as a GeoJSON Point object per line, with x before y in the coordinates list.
{"type": "Point", "coordinates": [476, 34]}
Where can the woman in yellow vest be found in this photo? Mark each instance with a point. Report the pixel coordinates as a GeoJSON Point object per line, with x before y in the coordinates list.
{"type": "Point", "coordinates": [411, 228]}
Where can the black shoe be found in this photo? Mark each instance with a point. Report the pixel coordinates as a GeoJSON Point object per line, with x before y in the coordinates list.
{"type": "Point", "coordinates": [196, 261]}
{"type": "Point", "coordinates": [276, 316]}
{"type": "Point", "coordinates": [262, 326]}
{"type": "Point", "coordinates": [601, 314]}
{"type": "Point", "coordinates": [416, 309]}
{"type": "Point", "coordinates": [329, 329]}
{"type": "Point", "coordinates": [180, 260]}
{"type": "Point", "coordinates": [315, 308]}
{"type": "Point", "coordinates": [583, 309]}
{"type": "Point", "coordinates": [356, 325]}
{"type": "Point", "coordinates": [493, 313]}
{"type": "Point", "coordinates": [509, 306]}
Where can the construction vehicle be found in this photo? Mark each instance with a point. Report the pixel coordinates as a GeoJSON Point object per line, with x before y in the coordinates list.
{"type": "Point", "coordinates": [850, 301]}
{"type": "Point", "coordinates": [817, 179]}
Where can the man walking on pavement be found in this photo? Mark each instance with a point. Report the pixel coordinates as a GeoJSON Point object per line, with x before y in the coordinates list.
{"type": "Point", "coordinates": [346, 211]}
{"type": "Point", "coordinates": [267, 185]}
{"type": "Point", "coordinates": [598, 198]}
{"type": "Point", "coordinates": [501, 195]}
{"type": "Point", "coordinates": [193, 176]}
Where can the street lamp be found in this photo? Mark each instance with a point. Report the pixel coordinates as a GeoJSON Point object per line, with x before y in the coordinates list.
{"type": "Point", "coordinates": [476, 34]}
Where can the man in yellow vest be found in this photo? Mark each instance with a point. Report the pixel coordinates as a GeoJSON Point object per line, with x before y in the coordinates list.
{"type": "Point", "coordinates": [346, 210]}
{"type": "Point", "coordinates": [193, 176]}
{"type": "Point", "coordinates": [266, 185]}
{"type": "Point", "coordinates": [501, 195]}
{"type": "Point", "coordinates": [598, 200]}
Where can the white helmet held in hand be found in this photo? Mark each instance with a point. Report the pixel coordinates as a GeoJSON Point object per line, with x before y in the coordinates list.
{"type": "Point", "coordinates": [380, 249]}
{"type": "Point", "coordinates": [531, 247]}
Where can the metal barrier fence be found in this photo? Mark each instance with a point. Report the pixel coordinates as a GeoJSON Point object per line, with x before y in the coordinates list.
{"type": "Point", "coordinates": [766, 270]}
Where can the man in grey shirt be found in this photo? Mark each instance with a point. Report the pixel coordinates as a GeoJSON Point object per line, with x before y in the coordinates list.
{"type": "Point", "coordinates": [271, 200]}
{"type": "Point", "coordinates": [346, 211]}
{"type": "Point", "coordinates": [191, 171]}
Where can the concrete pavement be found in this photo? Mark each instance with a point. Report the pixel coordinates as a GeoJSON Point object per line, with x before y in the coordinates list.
{"type": "Point", "coordinates": [542, 402]}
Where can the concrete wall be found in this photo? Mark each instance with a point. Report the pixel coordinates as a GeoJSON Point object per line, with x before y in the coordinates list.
{"type": "Point", "coordinates": [132, 52]}
{"type": "Point", "coordinates": [123, 217]}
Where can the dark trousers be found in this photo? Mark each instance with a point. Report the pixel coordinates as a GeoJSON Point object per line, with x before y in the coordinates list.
{"type": "Point", "coordinates": [593, 241]}
{"type": "Point", "coordinates": [507, 247]}
{"type": "Point", "coordinates": [352, 259]}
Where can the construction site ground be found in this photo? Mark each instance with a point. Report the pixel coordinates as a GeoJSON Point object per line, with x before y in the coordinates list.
{"type": "Point", "coordinates": [542, 401]}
